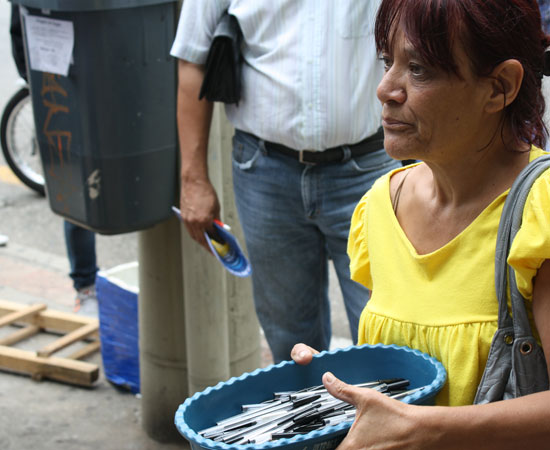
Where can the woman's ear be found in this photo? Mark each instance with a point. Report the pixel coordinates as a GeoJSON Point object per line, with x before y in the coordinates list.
{"type": "Point", "coordinates": [506, 79]}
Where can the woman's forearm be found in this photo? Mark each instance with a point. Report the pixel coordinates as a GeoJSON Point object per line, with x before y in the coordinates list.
{"type": "Point", "coordinates": [511, 424]}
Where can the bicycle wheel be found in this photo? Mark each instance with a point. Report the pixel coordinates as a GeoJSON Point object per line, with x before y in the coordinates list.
{"type": "Point", "coordinates": [19, 144]}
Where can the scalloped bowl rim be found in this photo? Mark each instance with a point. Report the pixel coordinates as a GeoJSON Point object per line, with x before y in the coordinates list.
{"type": "Point", "coordinates": [327, 432]}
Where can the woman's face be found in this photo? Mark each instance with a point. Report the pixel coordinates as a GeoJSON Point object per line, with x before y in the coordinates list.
{"type": "Point", "coordinates": [427, 113]}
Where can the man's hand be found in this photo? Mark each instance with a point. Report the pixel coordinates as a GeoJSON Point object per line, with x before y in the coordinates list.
{"type": "Point", "coordinates": [199, 207]}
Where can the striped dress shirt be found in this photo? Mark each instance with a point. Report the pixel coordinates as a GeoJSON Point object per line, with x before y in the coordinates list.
{"type": "Point", "coordinates": [545, 14]}
{"type": "Point", "coordinates": [310, 67]}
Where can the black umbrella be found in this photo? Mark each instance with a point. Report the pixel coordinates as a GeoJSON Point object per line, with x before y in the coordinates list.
{"type": "Point", "coordinates": [222, 78]}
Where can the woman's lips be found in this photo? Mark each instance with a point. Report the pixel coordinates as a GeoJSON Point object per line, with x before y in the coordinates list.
{"type": "Point", "coordinates": [391, 124]}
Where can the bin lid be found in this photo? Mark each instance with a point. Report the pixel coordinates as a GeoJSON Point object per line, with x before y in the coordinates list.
{"type": "Point", "coordinates": [87, 5]}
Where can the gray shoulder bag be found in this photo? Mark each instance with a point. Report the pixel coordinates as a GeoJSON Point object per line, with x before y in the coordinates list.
{"type": "Point", "coordinates": [516, 364]}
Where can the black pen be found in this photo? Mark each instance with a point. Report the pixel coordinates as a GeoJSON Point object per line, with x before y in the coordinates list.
{"type": "Point", "coordinates": [392, 386]}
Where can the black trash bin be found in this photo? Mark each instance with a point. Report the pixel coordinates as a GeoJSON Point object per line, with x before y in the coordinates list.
{"type": "Point", "coordinates": [107, 131]}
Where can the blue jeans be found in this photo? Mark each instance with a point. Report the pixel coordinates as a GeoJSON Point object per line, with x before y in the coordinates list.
{"type": "Point", "coordinates": [80, 244]}
{"type": "Point", "coordinates": [295, 217]}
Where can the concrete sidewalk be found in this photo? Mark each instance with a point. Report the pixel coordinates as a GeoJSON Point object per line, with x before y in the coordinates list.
{"type": "Point", "coordinates": [54, 415]}
{"type": "Point", "coordinates": [34, 269]}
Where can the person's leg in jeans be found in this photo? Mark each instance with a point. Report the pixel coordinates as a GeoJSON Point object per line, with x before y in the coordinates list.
{"type": "Point", "coordinates": [286, 250]}
{"type": "Point", "coordinates": [80, 244]}
{"type": "Point", "coordinates": [281, 204]}
{"type": "Point", "coordinates": [342, 186]}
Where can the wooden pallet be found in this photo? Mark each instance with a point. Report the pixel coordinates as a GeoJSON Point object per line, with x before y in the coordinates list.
{"type": "Point", "coordinates": [31, 320]}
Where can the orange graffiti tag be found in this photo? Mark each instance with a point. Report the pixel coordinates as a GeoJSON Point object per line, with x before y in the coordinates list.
{"type": "Point", "coordinates": [57, 139]}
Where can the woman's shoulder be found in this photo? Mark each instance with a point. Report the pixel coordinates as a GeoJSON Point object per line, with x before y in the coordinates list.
{"type": "Point", "coordinates": [535, 152]}
{"type": "Point", "coordinates": [541, 185]}
{"type": "Point", "coordinates": [383, 189]}
{"type": "Point", "coordinates": [528, 253]}
{"type": "Point", "coordinates": [397, 177]}
{"type": "Point", "coordinates": [380, 187]}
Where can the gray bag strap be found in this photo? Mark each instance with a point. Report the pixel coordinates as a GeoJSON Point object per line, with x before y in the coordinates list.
{"type": "Point", "coordinates": [510, 222]}
{"type": "Point", "coordinates": [515, 365]}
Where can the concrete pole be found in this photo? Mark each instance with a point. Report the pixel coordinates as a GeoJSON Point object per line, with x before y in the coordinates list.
{"type": "Point", "coordinates": [222, 331]}
{"type": "Point", "coordinates": [210, 336]}
{"type": "Point", "coordinates": [163, 363]}
{"type": "Point", "coordinates": [213, 333]}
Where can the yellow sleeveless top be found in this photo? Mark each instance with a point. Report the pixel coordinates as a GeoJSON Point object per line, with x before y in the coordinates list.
{"type": "Point", "coordinates": [442, 303]}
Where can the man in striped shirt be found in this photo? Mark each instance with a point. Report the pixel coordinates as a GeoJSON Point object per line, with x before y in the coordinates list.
{"type": "Point", "coordinates": [307, 146]}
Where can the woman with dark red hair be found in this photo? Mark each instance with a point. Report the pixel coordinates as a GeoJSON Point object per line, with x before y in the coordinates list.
{"type": "Point", "coordinates": [461, 93]}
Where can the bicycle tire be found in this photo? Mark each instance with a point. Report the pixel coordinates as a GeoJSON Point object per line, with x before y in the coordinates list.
{"type": "Point", "coordinates": [17, 125]}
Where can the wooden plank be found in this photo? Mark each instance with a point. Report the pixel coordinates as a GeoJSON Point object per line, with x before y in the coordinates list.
{"type": "Point", "coordinates": [50, 320]}
{"type": "Point", "coordinates": [92, 347]}
{"type": "Point", "coordinates": [19, 335]}
{"type": "Point", "coordinates": [61, 369]}
{"type": "Point", "coordinates": [68, 339]}
{"type": "Point", "coordinates": [62, 322]}
{"type": "Point", "coordinates": [21, 314]}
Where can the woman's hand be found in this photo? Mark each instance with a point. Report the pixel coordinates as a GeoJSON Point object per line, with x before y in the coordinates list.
{"type": "Point", "coordinates": [380, 422]}
{"type": "Point", "coordinates": [302, 354]}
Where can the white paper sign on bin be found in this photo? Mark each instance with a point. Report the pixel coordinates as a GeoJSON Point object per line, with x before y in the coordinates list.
{"type": "Point", "coordinates": [50, 44]}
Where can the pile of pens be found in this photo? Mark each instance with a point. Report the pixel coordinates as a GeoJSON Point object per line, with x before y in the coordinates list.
{"type": "Point", "coordinates": [295, 412]}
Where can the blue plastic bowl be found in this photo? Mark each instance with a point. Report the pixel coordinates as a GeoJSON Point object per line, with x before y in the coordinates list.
{"type": "Point", "coordinates": [355, 364]}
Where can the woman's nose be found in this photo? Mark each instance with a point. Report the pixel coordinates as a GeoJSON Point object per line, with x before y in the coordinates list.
{"type": "Point", "coordinates": [391, 88]}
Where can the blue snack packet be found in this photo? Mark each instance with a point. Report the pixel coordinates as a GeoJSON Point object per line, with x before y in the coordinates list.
{"type": "Point", "coordinates": [226, 249]}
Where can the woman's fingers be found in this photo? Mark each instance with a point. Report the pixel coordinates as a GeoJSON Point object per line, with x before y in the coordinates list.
{"type": "Point", "coordinates": [342, 391]}
{"type": "Point", "coordinates": [380, 422]}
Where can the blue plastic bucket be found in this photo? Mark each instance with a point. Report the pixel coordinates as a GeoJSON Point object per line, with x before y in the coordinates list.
{"type": "Point", "coordinates": [117, 295]}
{"type": "Point", "coordinates": [355, 364]}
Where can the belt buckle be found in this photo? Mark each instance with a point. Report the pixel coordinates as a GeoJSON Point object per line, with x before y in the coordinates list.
{"type": "Point", "coordinates": [301, 157]}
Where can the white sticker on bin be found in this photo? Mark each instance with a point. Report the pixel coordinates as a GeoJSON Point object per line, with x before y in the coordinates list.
{"type": "Point", "coordinates": [50, 43]}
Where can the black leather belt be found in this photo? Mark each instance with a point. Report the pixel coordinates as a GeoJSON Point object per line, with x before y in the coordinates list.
{"type": "Point", "coordinates": [331, 155]}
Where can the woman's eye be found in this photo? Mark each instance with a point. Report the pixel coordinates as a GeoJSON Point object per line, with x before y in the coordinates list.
{"type": "Point", "coordinates": [417, 70]}
{"type": "Point", "coordinates": [387, 62]}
